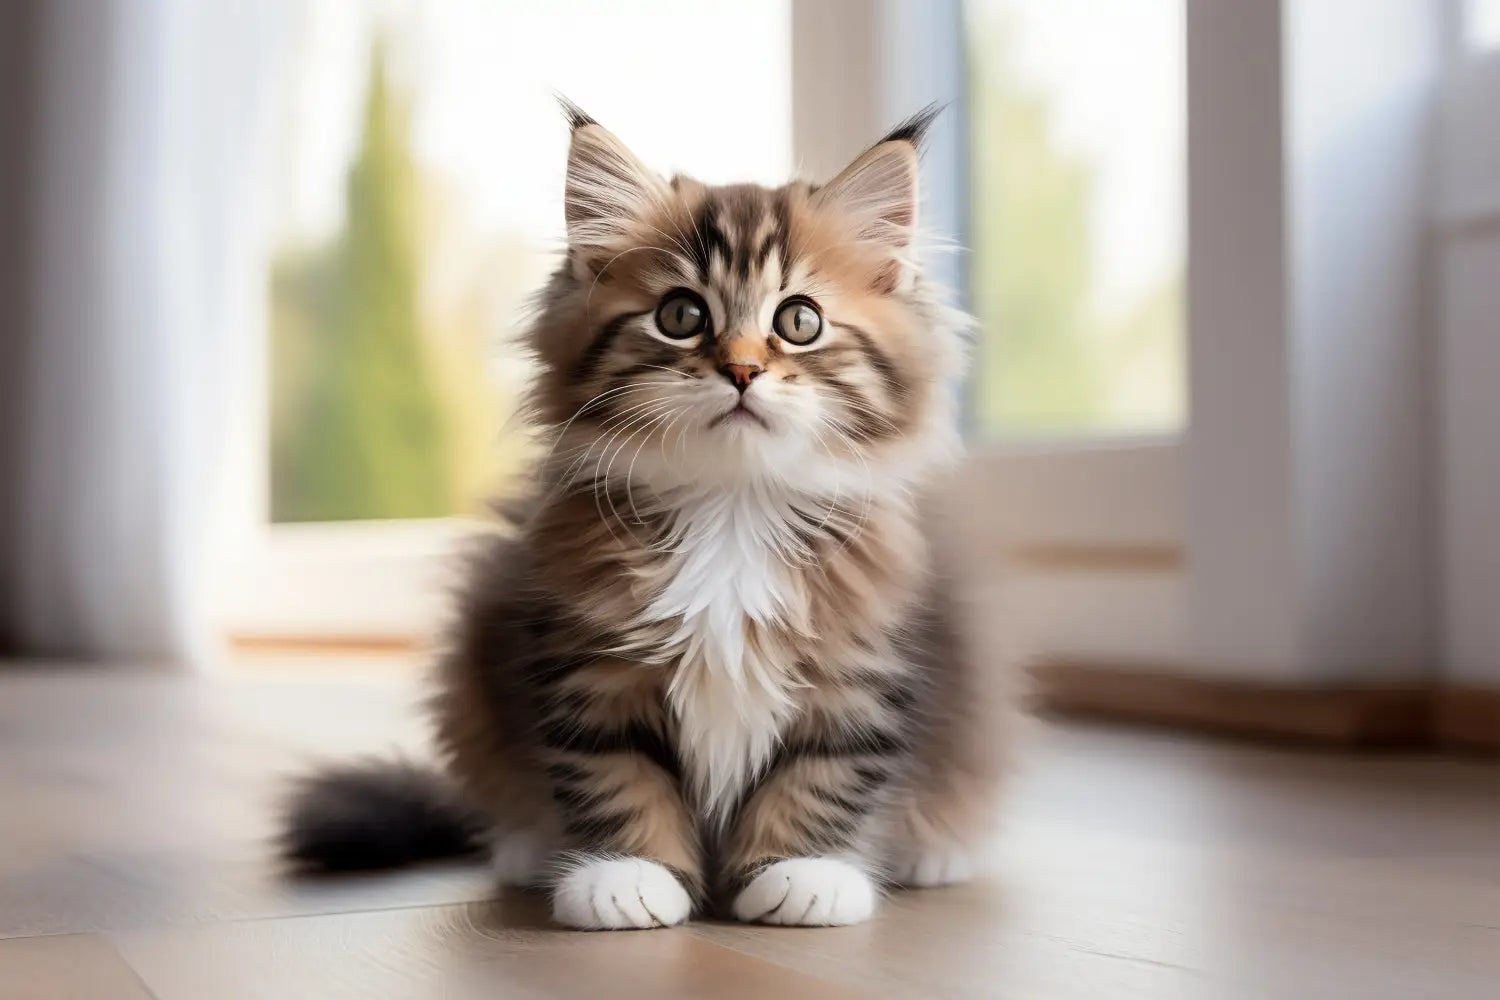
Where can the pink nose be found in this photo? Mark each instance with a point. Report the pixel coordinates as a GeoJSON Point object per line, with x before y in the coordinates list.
{"type": "Point", "coordinates": [741, 375]}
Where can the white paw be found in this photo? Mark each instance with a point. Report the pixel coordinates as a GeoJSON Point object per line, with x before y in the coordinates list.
{"type": "Point", "coordinates": [619, 894]}
{"type": "Point", "coordinates": [933, 867]}
{"type": "Point", "coordinates": [807, 892]}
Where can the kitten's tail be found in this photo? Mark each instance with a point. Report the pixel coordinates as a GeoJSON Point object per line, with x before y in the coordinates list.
{"type": "Point", "coordinates": [376, 814]}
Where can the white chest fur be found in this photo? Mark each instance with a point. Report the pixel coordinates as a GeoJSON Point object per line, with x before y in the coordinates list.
{"type": "Point", "coordinates": [731, 585]}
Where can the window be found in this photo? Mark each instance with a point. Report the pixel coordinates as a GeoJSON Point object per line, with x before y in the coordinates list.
{"type": "Point", "coordinates": [1078, 199]}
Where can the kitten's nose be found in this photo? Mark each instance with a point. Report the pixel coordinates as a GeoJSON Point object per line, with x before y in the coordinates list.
{"type": "Point", "coordinates": [741, 375]}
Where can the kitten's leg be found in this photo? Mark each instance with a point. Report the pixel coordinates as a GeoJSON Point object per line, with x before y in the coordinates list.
{"type": "Point", "coordinates": [937, 837]}
{"type": "Point", "coordinates": [485, 731]}
{"type": "Point", "coordinates": [635, 860]}
{"type": "Point", "coordinates": [798, 850]}
{"type": "Point", "coordinates": [945, 814]}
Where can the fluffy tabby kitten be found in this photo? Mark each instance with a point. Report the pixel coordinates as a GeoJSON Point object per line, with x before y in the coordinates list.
{"type": "Point", "coordinates": [715, 669]}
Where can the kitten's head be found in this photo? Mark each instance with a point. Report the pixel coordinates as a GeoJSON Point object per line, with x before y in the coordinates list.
{"type": "Point", "coordinates": [700, 335]}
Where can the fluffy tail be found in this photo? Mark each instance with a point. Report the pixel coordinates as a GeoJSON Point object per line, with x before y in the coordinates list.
{"type": "Point", "coordinates": [376, 814]}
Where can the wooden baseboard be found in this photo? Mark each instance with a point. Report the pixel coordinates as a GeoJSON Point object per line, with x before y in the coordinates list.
{"type": "Point", "coordinates": [1095, 558]}
{"type": "Point", "coordinates": [1344, 716]}
{"type": "Point", "coordinates": [1467, 717]}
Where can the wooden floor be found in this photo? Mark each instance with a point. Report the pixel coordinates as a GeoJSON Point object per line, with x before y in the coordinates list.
{"type": "Point", "coordinates": [134, 812]}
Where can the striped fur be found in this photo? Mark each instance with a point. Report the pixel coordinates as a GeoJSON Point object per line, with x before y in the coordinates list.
{"type": "Point", "coordinates": [713, 667]}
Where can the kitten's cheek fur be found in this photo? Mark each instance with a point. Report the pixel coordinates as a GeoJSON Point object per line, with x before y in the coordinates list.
{"type": "Point", "coordinates": [615, 894]}
{"type": "Point", "coordinates": [807, 892]}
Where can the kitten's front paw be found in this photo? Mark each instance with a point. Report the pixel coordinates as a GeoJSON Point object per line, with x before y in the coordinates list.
{"type": "Point", "coordinates": [619, 894]}
{"type": "Point", "coordinates": [807, 892]}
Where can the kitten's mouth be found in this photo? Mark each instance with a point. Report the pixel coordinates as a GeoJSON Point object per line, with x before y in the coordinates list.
{"type": "Point", "coordinates": [739, 413]}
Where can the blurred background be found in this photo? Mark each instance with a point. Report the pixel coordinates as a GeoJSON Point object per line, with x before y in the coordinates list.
{"type": "Point", "coordinates": [1234, 270]}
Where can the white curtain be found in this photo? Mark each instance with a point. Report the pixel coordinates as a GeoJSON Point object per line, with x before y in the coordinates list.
{"type": "Point", "coordinates": [150, 162]}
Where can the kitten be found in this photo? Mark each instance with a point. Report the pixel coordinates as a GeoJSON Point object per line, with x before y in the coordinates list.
{"type": "Point", "coordinates": [716, 668]}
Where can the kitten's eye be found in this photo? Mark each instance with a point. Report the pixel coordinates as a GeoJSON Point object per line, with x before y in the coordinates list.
{"type": "Point", "coordinates": [682, 315]}
{"type": "Point", "coordinates": [798, 321]}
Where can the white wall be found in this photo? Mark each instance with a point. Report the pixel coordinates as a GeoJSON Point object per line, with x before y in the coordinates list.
{"type": "Point", "coordinates": [1469, 417]}
{"type": "Point", "coordinates": [1362, 76]}
{"type": "Point", "coordinates": [1467, 370]}
{"type": "Point", "coordinates": [1243, 608]}
{"type": "Point", "coordinates": [1309, 524]}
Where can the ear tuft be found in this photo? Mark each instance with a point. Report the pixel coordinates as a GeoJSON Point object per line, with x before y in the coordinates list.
{"type": "Point", "coordinates": [608, 193]}
{"type": "Point", "coordinates": [878, 193]}
{"type": "Point", "coordinates": [914, 129]}
{"type": "Point", "coordinates": [577, 117]}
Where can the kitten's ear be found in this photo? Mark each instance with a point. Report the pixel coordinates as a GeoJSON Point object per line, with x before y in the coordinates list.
{"type": "Point", "coordinates": [879, 191]}
{"type": "Point", "coordinates": [608, 190]}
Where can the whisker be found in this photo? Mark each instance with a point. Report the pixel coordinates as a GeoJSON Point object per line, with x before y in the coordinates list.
{"type": "Point", "coordinates": [569, 476]}
{"type": "Point", "coordinates": [613, 422]}
{"type": "Point", "coordinates": [616, 390]}
{"type": "Point", "coordinates": [630, 471]}
{"type": "Point", "coordinates": [601, 480]}
{"type": "Point", "coordinates": [869, 493]}
{"type": "Point", "coordinates": [674, 371]}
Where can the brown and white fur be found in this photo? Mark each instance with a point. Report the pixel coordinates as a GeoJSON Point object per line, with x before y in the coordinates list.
{"type": "Point", "coordinates": [717, 667]}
